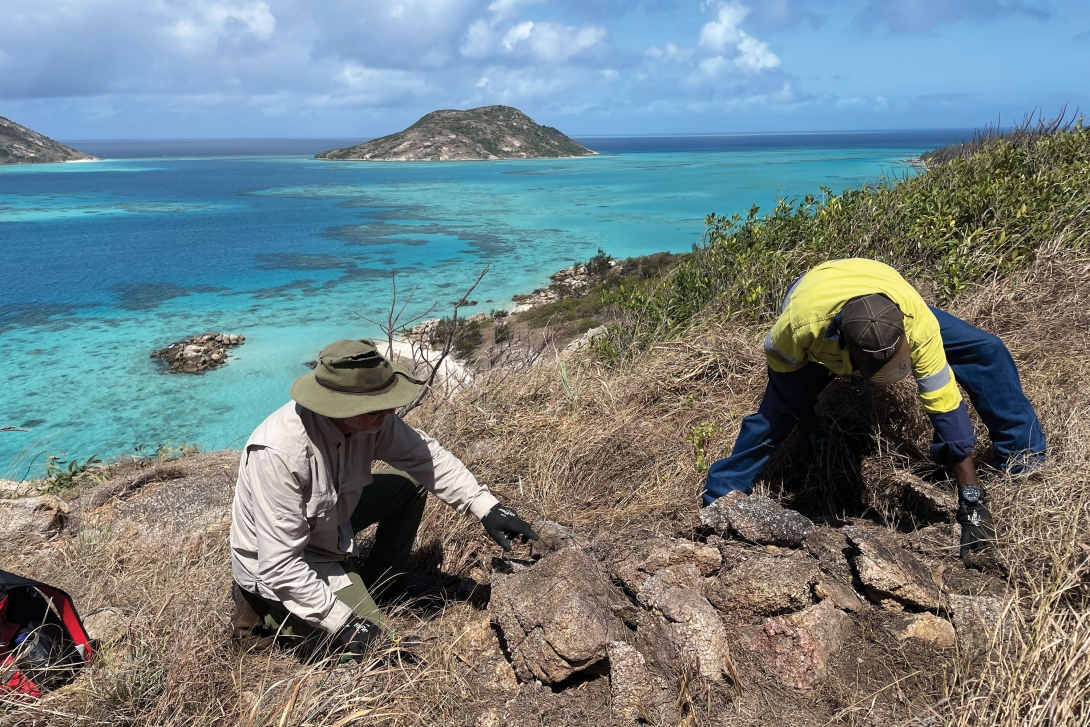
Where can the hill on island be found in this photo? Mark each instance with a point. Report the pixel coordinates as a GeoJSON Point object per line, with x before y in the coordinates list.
{"type": "Point", "coordinates": [488, 132]}
{"type": "Point", "coordinates": [20, 145]}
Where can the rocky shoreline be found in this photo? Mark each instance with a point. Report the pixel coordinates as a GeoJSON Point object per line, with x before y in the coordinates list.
{"type": "Point", "coordinates": [199, 353]}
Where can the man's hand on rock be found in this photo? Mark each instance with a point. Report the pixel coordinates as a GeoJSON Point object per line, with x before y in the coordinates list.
{"type": "Point", "coordinates": [501, 520]}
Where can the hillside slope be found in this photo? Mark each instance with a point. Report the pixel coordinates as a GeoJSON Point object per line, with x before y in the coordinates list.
{"type": "Point", "coordinates": [489, 132]}
{"type": "Point", "coordinates": [20, 145]}
{"type": "Point", "coordinates": [613, 443]}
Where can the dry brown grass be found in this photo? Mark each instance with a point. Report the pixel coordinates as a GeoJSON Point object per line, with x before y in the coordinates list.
{"type": "Point", "coordinates": [612, 450]}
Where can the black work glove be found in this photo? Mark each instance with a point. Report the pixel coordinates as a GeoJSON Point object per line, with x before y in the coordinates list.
{"type": "Point", "coordinates": [500, 520]}
{"type": "Point", "coordinates": [356, 636]}
{"type": "Point", "coordinates": [819, 438]}
{"type": "Point", "coordinates": [977, 530]}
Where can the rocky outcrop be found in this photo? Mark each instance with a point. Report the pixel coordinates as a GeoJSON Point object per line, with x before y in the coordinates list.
{"type": "Point", "coordinates": [199, 353]}
{"type": "Point", "coordinates": [20, 145]}
{"type": "Point", "coordinates": [488, 132]}
{"type": "Point", "coordinates": [893, 577]}
{"type": "Point", "coordinates": [31, 519]}
{"type": "Point", "coordinates": [557, 617]}
{"type": "Point", "coordinates": [570, 282]}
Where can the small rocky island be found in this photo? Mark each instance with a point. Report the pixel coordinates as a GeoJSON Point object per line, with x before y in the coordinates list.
{"type": "Point", "coordinates": [199, 353]}
{"type": "Point", "coordinates": [488, 132]}
{"type": "Point", "coordinates": [20, 145]}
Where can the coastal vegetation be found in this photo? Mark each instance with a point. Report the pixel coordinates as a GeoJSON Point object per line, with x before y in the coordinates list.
{"type": "Point", "coordinates": [613, 442]}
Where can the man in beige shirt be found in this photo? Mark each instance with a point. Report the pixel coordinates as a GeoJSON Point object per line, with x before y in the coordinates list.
{"type": "Point", "coordinates": [305, 488]}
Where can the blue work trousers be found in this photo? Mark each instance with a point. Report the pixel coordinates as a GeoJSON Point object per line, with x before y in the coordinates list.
{"type": "Point", "coordinates": [982, 365]}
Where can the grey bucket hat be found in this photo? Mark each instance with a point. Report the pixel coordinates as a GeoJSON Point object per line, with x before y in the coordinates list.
{"type": "Point", "coordinates": [353, 378]}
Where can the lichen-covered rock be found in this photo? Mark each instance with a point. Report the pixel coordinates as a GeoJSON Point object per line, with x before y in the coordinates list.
{"type": "Point", "coordinates": [106, 625]}
{"type": "Point", "coordinates": [892, 576]}
{"type": "Point", "coordinates": [924, 627]}
{"type": "Point", "coordinates": [552, 536]}
{"type": "Point", "coordinates": [797, 647]}
{"type": "Point", "coordinates": [756, 518]}
{"type": "Point", "coordinates": [479, 646]}
{"type": "Point", "coordinates": [841, 594]}
{"type": "Point", "coordinates": [31, 518]}
{"type": "Point", "coordinates": [629, 681]}
{"type": "Point", "coordinates": [692, 624]}
{"type": "Point", "coordinates": [832, 551]}
{"type": "Point", "coordinates": [977, 622]}
{"type": "Point", "coordinates": [631, 560]}
{"type": "Point", "coordinates": [199, 353]}
{"type": "Point", "coordinates": [760, 582]}
{"type": "Point", "coordinates": [557, 616]}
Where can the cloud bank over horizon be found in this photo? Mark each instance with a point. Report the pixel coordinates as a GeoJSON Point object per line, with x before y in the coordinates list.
{"type": "Point", "coordinates": [246, 68]}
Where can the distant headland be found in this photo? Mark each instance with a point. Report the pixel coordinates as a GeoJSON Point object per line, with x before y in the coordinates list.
{"type": "Point", "coordinates": [20, 145]}
{"type": "Point", "coordinates": [488, 132]}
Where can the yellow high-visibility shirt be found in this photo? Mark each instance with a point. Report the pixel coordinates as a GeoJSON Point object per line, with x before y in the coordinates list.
{"type": "Point", "coordinates": [807, 328]}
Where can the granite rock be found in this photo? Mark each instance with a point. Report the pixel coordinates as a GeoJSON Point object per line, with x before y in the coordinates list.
{"type": "Point", "coordinates": [556, 616]}
{"type": "Point", "coordinates": [756, 518]}
{"type": "Point", "coordinates": [893, 577]}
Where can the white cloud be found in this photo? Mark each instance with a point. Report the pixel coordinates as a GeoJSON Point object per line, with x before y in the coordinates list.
{"type": "Point", "coordinates": [719, 34]}
{"type": "Point", "coordinates": [516, 34]}
{"type": "Point", "coordinates": [713, 66]}
{"type": "Point", "coordinates": [380, 85]}
{"type": "Point", "coordinates": [754, 55]}
{"type": "Point", "coordinates": [207, 23]}
{"type": "Point", "coordinates": [478, 40]}
{"type": "Point", "coordinates": [503, 9]}
{"type": "Point", "coordinates": [670, 53]}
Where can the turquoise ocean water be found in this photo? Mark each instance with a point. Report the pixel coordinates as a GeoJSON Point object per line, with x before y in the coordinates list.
{"type": "Point", "coordinates": [104, 262]}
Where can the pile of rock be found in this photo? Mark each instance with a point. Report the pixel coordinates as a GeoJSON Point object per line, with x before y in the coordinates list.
{"type": "Point", "coordinates": [567, 283]}
{"type": "Point", "coordinates": [199, 353]}
{"type": "Point", "coordinates": [765, 594]}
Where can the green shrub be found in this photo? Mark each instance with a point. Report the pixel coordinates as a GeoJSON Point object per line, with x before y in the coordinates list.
{"type": "Point", "coordinates": [955, 225]}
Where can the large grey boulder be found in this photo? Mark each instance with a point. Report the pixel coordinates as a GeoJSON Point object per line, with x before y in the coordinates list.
{"type": "Point", "coordinates": [756, 518]}
{"type": "Point", "coordinates": [893, 577]}
{"type": "Point", "coordinates": [557, 616]}
{"type": "Point", "coordinates": [759, 582]}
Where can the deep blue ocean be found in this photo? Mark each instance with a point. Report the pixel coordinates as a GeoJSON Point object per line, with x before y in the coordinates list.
{"type": "Point", "coordinates": [104, 262]}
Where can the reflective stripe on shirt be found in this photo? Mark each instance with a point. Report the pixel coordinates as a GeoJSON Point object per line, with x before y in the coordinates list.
{"type": "Point", "coordinates": [934, 382]}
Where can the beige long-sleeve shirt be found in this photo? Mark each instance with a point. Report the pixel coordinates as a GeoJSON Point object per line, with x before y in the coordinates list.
{"type": "Point", "coordinates": [299, 481]}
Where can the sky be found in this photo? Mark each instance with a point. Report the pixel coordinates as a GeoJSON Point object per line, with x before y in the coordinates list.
{"type": "Point", "coordinates": [140, 69]}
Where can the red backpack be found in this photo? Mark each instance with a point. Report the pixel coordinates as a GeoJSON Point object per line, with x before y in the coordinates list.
{"type": "Point", "coordinates": [42, 641]}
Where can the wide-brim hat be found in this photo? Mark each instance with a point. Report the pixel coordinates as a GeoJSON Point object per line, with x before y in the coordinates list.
{"type": "Point", "coordinates": [353, 378]}
{"type": "Point", "coordinates": [873, 327]}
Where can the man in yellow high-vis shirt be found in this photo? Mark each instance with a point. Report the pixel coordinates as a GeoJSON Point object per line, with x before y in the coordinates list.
{"type": "Point", "coordinates": [859, 315]}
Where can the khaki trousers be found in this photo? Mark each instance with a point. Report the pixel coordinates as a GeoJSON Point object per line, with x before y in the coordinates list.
{"type": "Point", "coordinates": [395, 501]}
